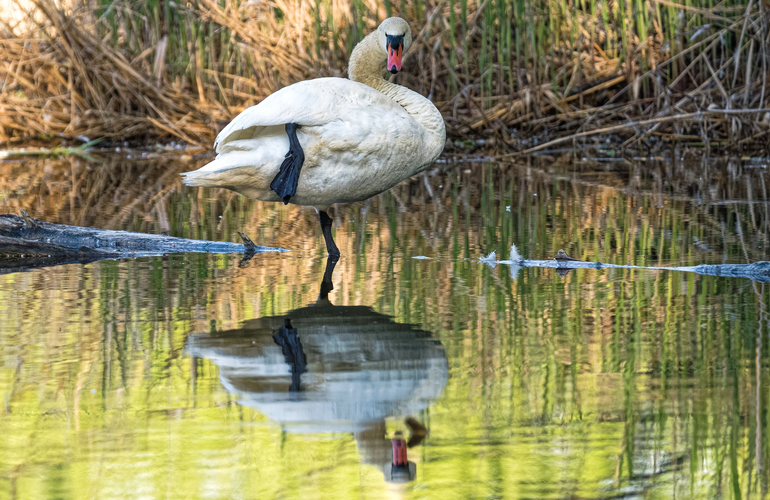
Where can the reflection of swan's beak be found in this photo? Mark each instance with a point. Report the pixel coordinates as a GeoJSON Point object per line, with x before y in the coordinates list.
{"type": "Point", "coordinates": [400, 470]}
{"type": "Point", "coordinates": [399, 451]}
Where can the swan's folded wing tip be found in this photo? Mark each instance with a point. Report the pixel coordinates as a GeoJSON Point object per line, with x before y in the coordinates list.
{"type": "Point", "coordinates": [191, 178]}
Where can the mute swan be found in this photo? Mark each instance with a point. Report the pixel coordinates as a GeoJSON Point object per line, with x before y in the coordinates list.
{"type": "Point", "coordinates": [347, 140]}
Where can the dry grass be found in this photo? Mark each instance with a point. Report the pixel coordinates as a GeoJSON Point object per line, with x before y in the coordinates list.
{"type": "Point", "coordinates": [508, 70]}
{"type": "Point", "coordinates": [70, 82]}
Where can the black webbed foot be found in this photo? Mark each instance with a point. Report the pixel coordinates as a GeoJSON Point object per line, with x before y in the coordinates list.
{"type": "Point", "coordinates": [291, 346]}
{"type": "Point", "coordinates": [285, 182]}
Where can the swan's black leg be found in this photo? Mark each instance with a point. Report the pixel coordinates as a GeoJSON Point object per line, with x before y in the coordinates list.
{"type": "Point", "coordinates": [326, 284]}
{"type": "Point", "coordinates": [326, 228]}
{"type": "Point", "coordinates": [285, 182]}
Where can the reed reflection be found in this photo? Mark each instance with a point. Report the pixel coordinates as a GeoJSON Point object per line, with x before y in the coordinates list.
{"type": "Point", "coordinates": [326, 368]}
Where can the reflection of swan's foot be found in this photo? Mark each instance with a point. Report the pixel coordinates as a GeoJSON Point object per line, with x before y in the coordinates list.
{"type": "Point", "coordinates": [291, 346]}
{"type": "Point", "coordinates": [326, 228]}
{"type": "Point", "coordinates": [286, 181]}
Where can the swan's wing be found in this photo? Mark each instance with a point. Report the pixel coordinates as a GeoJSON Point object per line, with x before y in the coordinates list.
{"type": "Point", "coordinates": [307, 103]}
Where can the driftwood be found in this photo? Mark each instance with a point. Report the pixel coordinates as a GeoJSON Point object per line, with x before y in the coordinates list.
{"type": "Point", "coordinates": [27, 243]}
{"type": "Point", "coordinates": [563, 264]}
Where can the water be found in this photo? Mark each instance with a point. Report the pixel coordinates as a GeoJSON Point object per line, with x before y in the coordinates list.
{"type": "Point", "coordinates": [171, 377]}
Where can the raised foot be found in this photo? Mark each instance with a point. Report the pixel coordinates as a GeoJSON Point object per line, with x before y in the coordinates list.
{"type": "Point", "coordinates": [286, 180]}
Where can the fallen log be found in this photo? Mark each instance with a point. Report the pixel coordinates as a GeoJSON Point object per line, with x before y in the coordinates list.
{"type": "Point", "coordinates": [27, 243]}
{"type": "Point", "coordinates": [563, 263]}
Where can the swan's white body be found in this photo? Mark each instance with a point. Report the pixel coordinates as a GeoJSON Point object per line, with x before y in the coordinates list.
{"type": "Point", "coordinates": [360, 138]}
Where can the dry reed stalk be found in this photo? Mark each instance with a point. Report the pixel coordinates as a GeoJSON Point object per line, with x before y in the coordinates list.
{"type": "Point", "coordinates": [68, 82]}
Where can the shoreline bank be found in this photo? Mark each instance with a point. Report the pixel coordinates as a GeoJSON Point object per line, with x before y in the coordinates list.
{"type": "Point", "coordinates": [664, 74]}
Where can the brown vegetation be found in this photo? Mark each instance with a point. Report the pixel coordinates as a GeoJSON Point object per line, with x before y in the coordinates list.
{"type": "Point", "coordinates": [500, 69]}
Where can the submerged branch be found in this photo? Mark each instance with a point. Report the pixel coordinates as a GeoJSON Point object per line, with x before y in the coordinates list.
{"type": "Point", "coordinates": [562, 263]}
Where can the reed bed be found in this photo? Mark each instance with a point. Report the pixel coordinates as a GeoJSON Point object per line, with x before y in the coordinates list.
{"type": "Point", "coordinates": [522, 75]}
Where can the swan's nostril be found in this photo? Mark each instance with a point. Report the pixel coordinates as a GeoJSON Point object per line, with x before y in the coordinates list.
{"type": "Point", "coordinates": [393, 69]}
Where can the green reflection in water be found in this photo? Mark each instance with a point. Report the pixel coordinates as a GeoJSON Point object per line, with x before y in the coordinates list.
{"type": "Point", "coordinates": [598, 384]}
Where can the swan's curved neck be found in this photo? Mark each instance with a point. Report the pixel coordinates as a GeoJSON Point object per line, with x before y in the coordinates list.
{"type": "Point", "coordinates": [367, 62]}
{"type": "Point", "coordinates": [366, 66]}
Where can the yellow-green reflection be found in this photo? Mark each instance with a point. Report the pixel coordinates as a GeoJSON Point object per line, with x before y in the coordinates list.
{"type": "Point", "coordinates": [597, 384]}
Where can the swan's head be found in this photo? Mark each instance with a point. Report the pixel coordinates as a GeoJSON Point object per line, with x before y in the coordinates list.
{"type": "Point", "coordinates": [395, 38]}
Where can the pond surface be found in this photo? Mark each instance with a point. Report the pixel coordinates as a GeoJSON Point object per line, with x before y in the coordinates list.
{"type": "Point", "coordinates": [179, 377]}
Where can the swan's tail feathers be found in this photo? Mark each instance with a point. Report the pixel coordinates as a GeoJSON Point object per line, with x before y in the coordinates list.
{"type": "Point", "coordinates": [285, 182]}
{"type": "Point", "coordinates": [222, 172]}
{"type": "Point", "coordinates": [195, 179]}
{"type": "Point", "coordinates": [202, 178]}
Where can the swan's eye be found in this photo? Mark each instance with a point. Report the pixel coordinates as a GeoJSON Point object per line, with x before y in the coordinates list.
{"type": "Point", "coordinates": [395, 50]}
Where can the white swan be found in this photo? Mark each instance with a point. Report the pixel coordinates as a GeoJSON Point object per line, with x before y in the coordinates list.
{"type": "Point", "coordinates": [347, 140]}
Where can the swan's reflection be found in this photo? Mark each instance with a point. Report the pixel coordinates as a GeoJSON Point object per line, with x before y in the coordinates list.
{"type": "Point", "coordinates": [326, 368]}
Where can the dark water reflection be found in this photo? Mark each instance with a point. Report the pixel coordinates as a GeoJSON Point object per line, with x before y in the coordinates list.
{"type": "Point", "coordinates": [600, 384]}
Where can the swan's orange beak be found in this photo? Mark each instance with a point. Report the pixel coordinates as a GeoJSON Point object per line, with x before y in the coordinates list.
{"type": "Point", "coordinates": [395, 50]}
{"type": "Point", "coordinates": [394, 59]}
